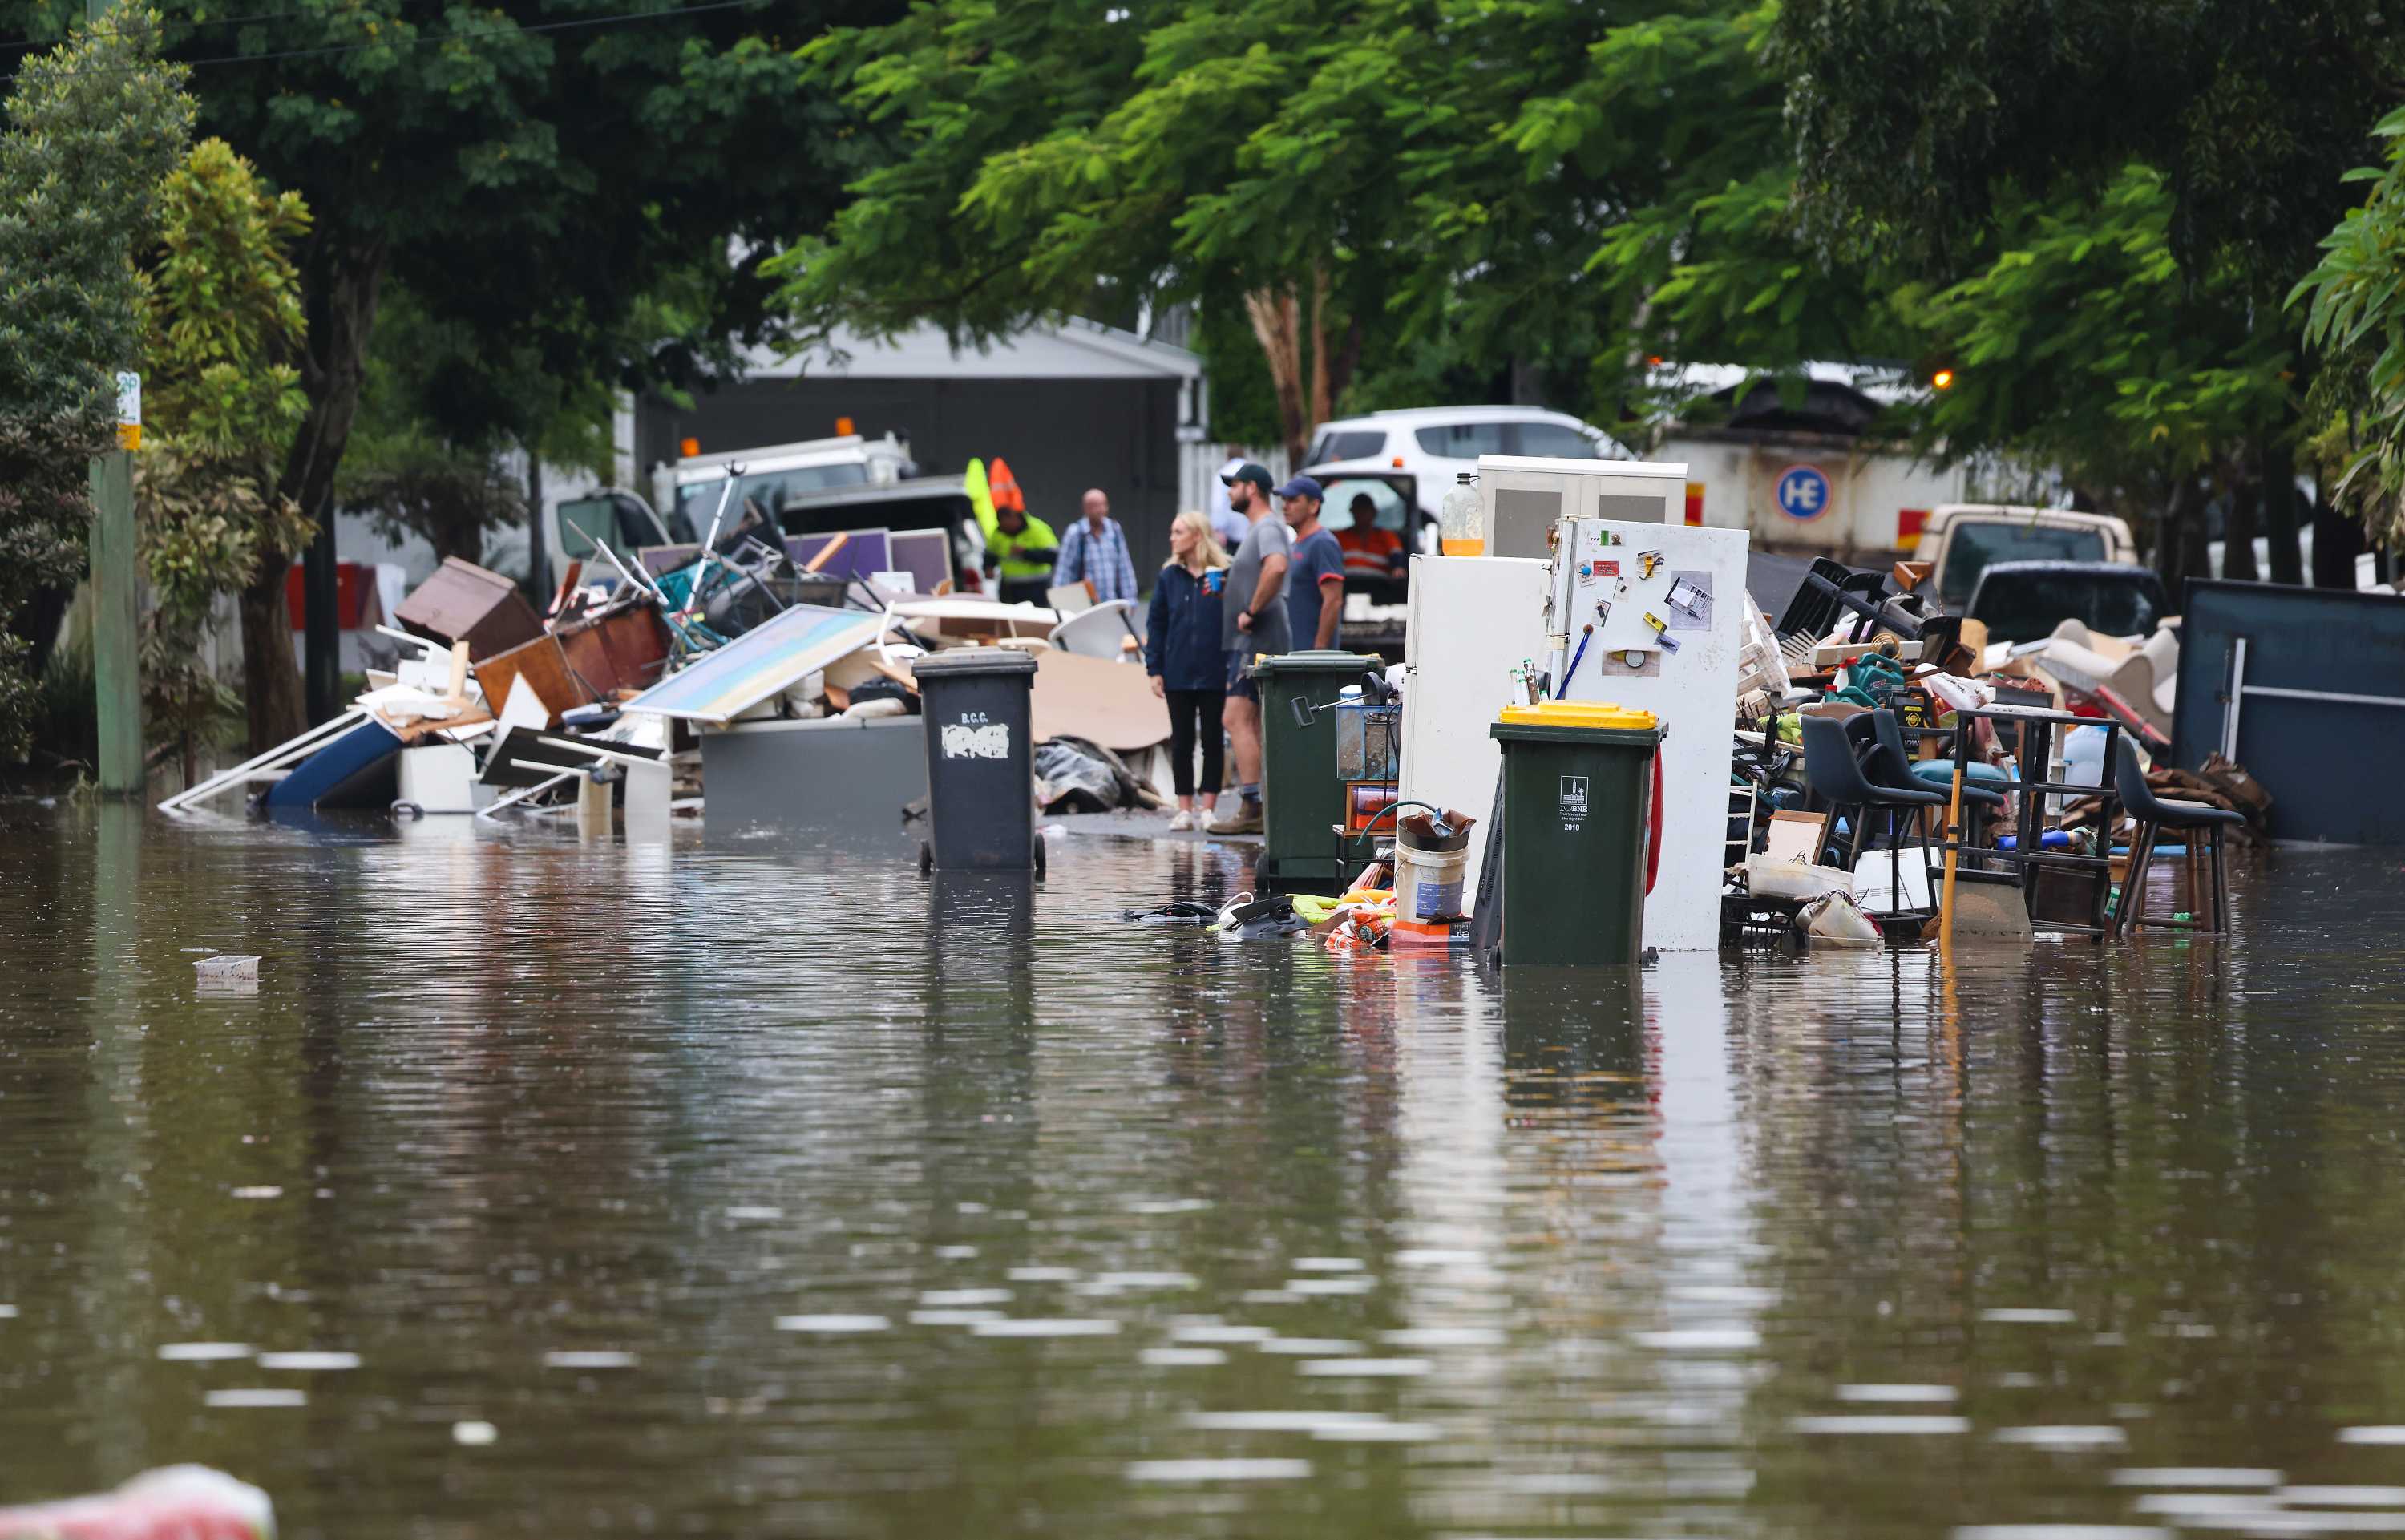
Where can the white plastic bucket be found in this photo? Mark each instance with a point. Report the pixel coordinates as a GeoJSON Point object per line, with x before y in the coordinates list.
{"type": "Point", "coordinates": [1428, 882]}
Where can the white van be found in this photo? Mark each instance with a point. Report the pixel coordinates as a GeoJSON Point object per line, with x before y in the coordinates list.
{"type": "Point", "coordinates": [1437, 445]}
{"type": "Point", "coordinates": [773, 476]}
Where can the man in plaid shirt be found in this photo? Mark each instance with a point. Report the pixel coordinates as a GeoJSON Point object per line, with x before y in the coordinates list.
{"type": "Point", "coordinates": [1095, 550]}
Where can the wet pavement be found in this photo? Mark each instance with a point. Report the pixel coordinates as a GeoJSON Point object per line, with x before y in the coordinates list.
{"type": "Point", "coordinates": [775, 1191]}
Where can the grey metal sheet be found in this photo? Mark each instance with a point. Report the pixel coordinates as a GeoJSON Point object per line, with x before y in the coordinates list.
{"type": "Point", "coordinates": [2315, 660]}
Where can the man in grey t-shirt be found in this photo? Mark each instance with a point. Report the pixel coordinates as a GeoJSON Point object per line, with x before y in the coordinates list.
{"type": "Point", "coordinates": [1252, 619]}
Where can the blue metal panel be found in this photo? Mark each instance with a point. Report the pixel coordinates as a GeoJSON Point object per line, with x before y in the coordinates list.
{"type": "Point", "coordinates": [2331, 765]}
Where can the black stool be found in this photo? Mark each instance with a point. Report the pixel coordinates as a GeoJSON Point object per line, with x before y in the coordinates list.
{"type": "Point", "coordinates": [2155, 814]}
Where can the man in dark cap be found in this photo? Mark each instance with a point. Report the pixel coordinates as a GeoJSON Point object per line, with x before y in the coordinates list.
{"type": "Point", "coordinates": [1252, 622]}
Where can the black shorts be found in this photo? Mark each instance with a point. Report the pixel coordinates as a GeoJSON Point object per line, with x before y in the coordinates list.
{"type": "Point", "coordinates": [1239, 682]}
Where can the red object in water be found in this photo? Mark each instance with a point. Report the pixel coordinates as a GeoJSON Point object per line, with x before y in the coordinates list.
{"type": "Point", "coordinates": [1654, 826]}
{"type": "Point", "coordinates": [351, 580]}
{"type": "Point", "coordinates": [179, 1503]}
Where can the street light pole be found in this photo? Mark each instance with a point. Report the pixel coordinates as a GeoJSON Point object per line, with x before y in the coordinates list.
{"type": "Point", "coordinates": [115, 631]}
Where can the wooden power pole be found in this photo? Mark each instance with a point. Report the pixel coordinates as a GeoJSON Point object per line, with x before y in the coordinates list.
{"type": "Point", "coordinates": [117, 620]}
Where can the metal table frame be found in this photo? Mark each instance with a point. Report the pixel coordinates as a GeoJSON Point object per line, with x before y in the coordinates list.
{"type": "Point", "coordinates": [2034, 752]}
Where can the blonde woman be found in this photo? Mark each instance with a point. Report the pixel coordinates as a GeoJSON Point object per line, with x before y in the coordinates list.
{"type": "Point", "coordinates": [1182, 652]}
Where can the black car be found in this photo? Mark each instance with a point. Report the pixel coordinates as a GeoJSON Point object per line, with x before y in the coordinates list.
{"type": "Point", "coordinates": [2025, 600]}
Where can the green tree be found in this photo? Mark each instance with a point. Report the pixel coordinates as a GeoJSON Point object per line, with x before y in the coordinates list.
{"type": "Point", "coordinates": [223, 312]}
{"type": "Point", "coordinates": [1920, 128]}
{"type": "Point", "coordinates": [532, 169]}
{"type": "Point", "coordinates": [2355, 318]}
{"type": "Point", "coordinates": [92, 125]}
{"type": "Point", "coordinates": [2080, 345]}
{"type": "Point", "coordinates": [1485, 184]}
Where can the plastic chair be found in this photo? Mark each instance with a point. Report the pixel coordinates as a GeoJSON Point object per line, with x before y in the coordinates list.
{"type": "Point", "coordinates": [1830, 765]}
{"type": "Point", "coordinates": [1097, 632]}
{"type": "Point", "coordinates": [1892, 765]}
{"type": "Point", "coordinates": [2154, 815]}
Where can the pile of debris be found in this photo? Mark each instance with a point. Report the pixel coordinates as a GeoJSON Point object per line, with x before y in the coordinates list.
{"type": "Point", "coordinates": [609, 706]}
{"type": "Point", "coordinates": [2034, 728]}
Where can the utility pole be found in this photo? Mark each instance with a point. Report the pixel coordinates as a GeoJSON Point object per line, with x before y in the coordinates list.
{"type": "Point", "coordinates": [115, 635]}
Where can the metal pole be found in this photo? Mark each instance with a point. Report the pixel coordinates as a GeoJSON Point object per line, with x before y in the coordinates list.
{"type": "Point", "coordinates": [115, 639]}
{"type": "Point", "coordinates": [322, 638]}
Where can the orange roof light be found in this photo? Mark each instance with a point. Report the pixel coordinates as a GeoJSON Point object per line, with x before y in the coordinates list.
{"type": "Point", "coordinates": [843, 428]}
{"type": "Point", "coordinates": [1398, 462]}
{"type": "Point", "coordinates": [1943, 379]}
{"type": "Point", "coordinates": [688, 447]}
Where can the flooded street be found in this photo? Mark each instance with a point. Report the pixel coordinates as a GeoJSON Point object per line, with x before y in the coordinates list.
{"type": "Point", "coordinates": [774, 1190]}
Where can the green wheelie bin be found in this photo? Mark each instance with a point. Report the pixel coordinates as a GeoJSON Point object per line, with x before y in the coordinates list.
{"type": "Point", "coordinates": [1579, 821]}
{"type": "Point", "coordinates": [1303, 801]}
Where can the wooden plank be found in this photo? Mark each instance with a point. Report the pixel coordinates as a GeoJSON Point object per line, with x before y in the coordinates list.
{"type": "Point", "coordinates": [543, 667]}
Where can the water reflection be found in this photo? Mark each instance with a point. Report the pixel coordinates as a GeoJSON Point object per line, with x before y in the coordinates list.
{"type": "Point", "coordinates": [755, 1186]}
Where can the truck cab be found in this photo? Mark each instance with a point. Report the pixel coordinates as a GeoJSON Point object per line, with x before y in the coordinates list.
{"type": "Point", "coordinates": [1962, 540]}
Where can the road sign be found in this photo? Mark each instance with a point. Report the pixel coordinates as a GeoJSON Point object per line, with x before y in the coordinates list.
{"type": "Point", "coordinates": [129, 410]}
{"type": "Point", "coordinates": [1802, 492]}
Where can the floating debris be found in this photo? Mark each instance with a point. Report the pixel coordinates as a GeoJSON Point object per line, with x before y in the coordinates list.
{"type": "Point", "coordinates": [1443, 1337]}
{"type": "Point", "coordinates": [1871, 1424]}
{"type": "Point", "coordinates": [2388, 1434]}
{"type": "Point", "coordinates": [1326, 1264]}
{"type": "Point", "coordinates": [753, 1212]}
{"type": "Point", "coordinates": [475, 1435]}
{"type": "Point", "coordinates": [1309, 1286]}
{"type": "Point", "coordinates": [204, 1352]}
{"type": "Point", "coordinates": [601, 1357]}
{"type": "Point", "coordinates": [1219, 1470]}
{"type": "Point", "coordinates": [832, 1323]}
{"type": "Point", "coordinates": [258, 1194]}
{"type": "Point", "coordinates": [1038, 1326]}
{"type": "Point", "coordinates": [1363, 1368]}
{"type": "Point", "coordinates": [965, 1297]}
{"type": "Point", "coordinates": [1217, 1330]}
{"type": "Point", "coordinates": [1310, 1347]}
{"type": "Point", "coordinates": [309, 1363]}
{"type": "Point", "coordinates": [260, 1397]}
{"type": "Point", "coordinates": [2065, 1436]}
{"type": "Point", "coordinates": [1899, 1394]}
{"type": "Point", "coordinates": [1181, 1358]}
{"type": "Point", "coordinates": [1294, 1422]}
{"type": "Point", "coordinates": [1700, 1339]}
{"type": "Point", "coordinates": [1043, 1275]}
{"type": "Point", "coordinates": [2016, 1316]}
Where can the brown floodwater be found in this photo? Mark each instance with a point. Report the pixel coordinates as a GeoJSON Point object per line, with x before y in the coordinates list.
{"type": "Point", "coordinates": [771, 1190]}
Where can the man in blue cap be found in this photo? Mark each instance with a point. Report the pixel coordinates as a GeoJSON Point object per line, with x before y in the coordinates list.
{"type": "Point", "coordinates": [1252, 623]}
{"type": "Point", "coordinates": [1314, 586]}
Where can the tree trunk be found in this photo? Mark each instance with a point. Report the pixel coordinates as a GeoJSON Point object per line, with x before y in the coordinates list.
{"type": "Point", "coordinates": [339, 282]}
{"type": "Point", "coordinates": [2179, 539]}
{"type": "Point", "coordinates": [342, 282]}
{"type": "Point", "coordinates": [2238, 531]}
{"type": "Point", "coordinates": [2280, 512]}
{"type": "Point", "coordinates": [271, 680]}
{"type": "Point", "coordinates": [538, 555]}
{"type": "Point", "coordinates": [2338, 539]}
{"type": "Point", "coordinates": [1278, 329]}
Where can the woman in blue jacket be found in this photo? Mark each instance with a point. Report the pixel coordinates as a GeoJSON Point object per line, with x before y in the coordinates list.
{"type": "Point", "coordinates": [1181, 652]}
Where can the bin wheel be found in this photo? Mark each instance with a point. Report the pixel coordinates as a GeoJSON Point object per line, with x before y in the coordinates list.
{"type": "Point", "coordinates": [1039, 857]}
{"type": "Point", "coordinates": [926, 858]}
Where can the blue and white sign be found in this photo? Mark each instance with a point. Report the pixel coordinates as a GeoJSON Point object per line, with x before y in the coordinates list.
{"type": "Point", "coordinates": [1803, 492]}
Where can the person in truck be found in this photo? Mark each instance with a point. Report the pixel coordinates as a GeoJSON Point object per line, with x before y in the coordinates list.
{"type": "Point", "coordinates": [1370, 554]}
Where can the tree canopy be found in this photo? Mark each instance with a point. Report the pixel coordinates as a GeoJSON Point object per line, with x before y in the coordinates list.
{"type": "Point", "coordinates": [93, 126]}
{"type": "Point", "coordinates": [1541, 181]}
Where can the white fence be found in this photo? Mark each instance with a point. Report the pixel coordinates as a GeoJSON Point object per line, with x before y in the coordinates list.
{"type": "Point", "coordinates": [1198, 466]}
